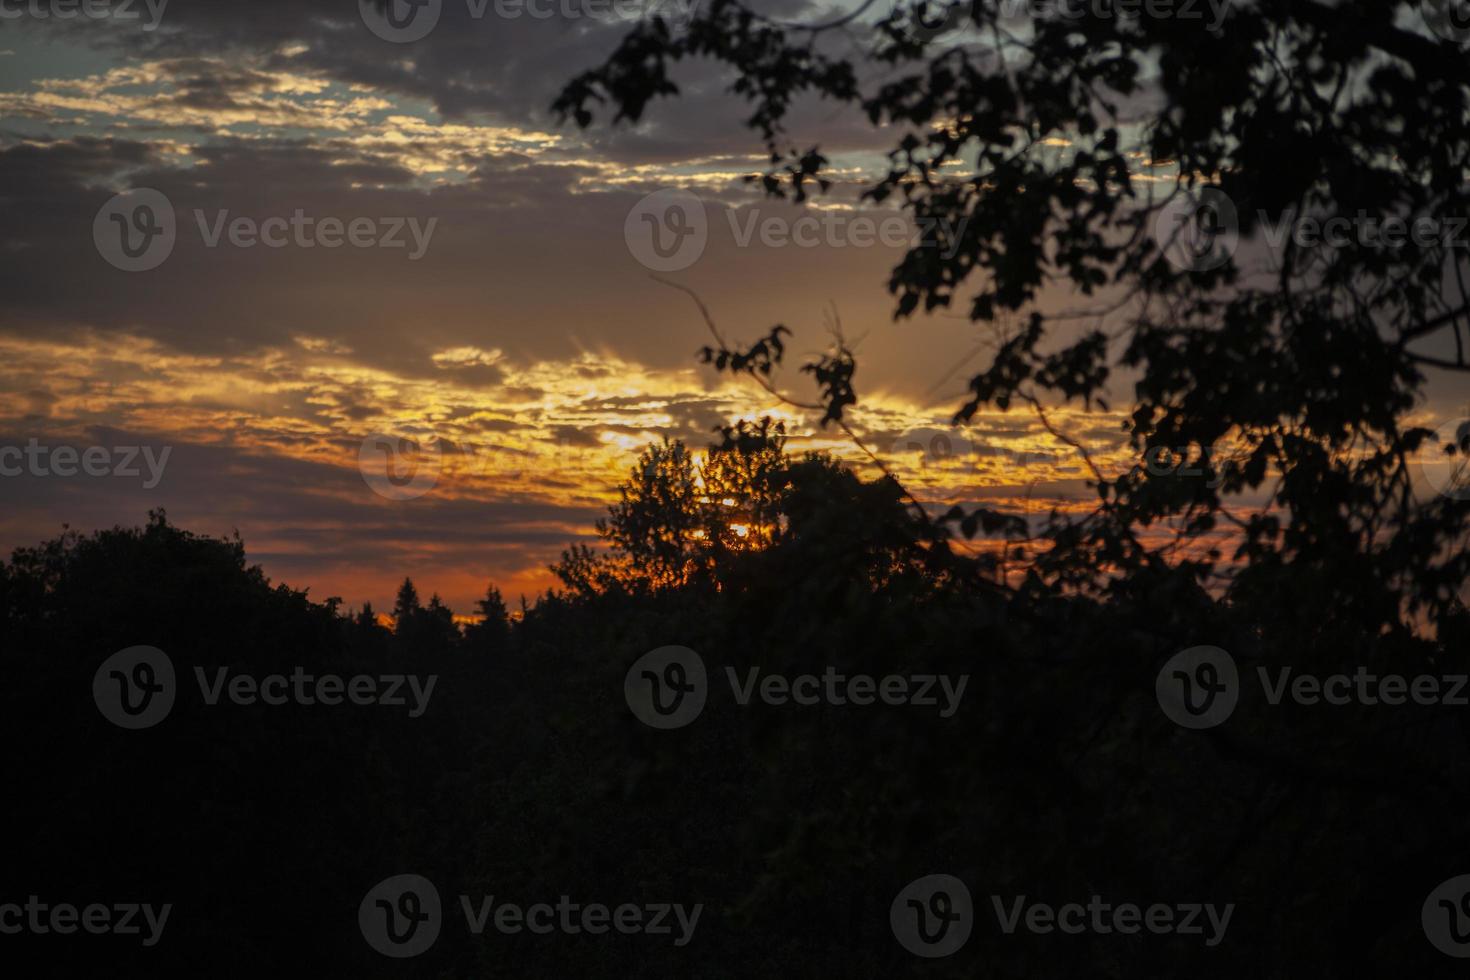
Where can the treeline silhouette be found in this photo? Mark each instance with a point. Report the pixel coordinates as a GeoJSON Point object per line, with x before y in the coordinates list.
{"type": "Point", "coordinates": [528, 778]}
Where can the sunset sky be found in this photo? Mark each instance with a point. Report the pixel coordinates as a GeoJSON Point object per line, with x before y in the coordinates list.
{"type": "Point", "coordinates": [527, 339]}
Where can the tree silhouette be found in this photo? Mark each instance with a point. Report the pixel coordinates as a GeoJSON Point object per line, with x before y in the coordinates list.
{"type": "Point", "coordinates": [680, 519]}
{"type": "Point", "coordinates": [1296, 370]}
{"type": "Point", "coordinates": [406, 606]}
{"type": "Point", "coordinates": [489, 635]}
{"type": "Point", "coordinates": [1061, 776]}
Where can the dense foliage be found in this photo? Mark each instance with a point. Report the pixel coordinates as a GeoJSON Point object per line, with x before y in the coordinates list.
{"type": "Point", "coordinates": [528, 777]}
{"type": "Point", "coordinates": [1297, 369]}
{"type": "Point", "coordinates": [1059, 778]}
